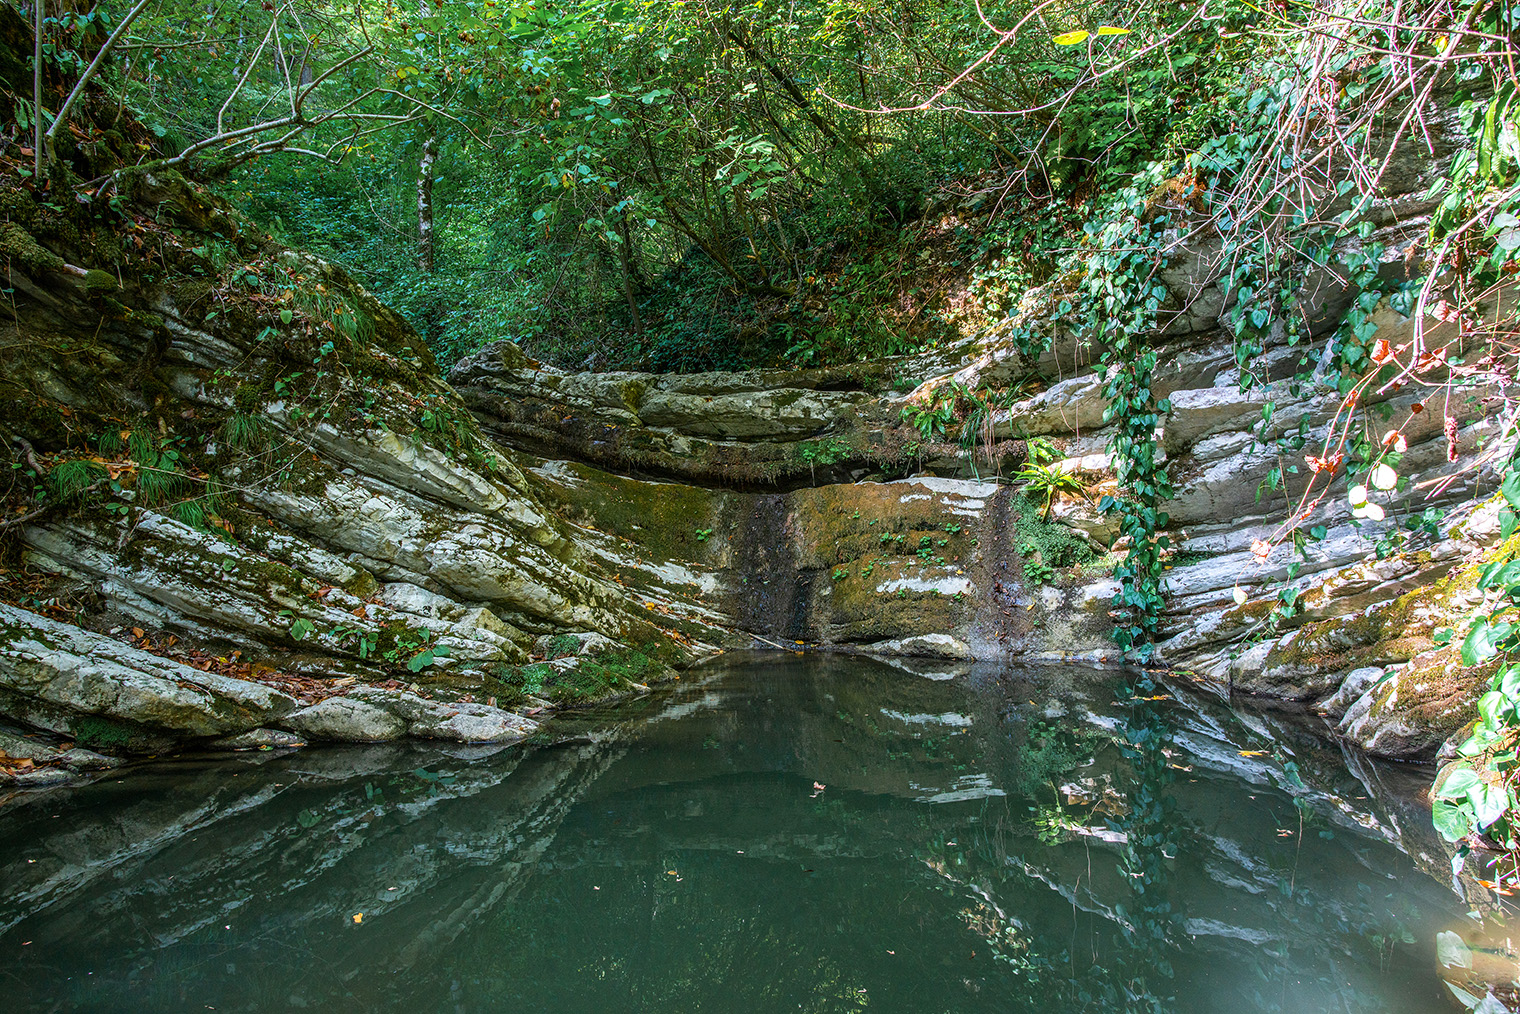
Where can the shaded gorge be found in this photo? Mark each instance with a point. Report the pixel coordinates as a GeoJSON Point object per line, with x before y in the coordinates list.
{"type": "Point", "coordinates": [774, 833]}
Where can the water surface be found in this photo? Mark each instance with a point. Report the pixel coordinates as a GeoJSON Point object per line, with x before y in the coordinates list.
{"type": "Point", "coordinates": [776, 833]}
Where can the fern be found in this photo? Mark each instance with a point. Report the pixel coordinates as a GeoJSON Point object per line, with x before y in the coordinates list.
{"type": "Point", "coordinates": [1048, 480]}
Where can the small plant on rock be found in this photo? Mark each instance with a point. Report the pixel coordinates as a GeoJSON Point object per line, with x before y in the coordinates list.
{"type": "Point", "coordinates": [1045, 481]}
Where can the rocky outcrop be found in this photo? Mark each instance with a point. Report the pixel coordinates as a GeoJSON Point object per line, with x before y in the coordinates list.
{"type": "Point", "coordinates": [102, 693]}
{"type": "Point", "coordinates": [841, 565]}
{"type": "Point", "coordinates": [689, 513]}
{"type": "Point", "coordinates": [245, 511]}
{"type": "Point", "coordinates": [773, 429]}
{"type": "Point", "coordinates": [227, 449]}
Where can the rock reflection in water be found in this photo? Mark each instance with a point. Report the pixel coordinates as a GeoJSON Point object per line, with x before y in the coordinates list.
{"type": "Point", "coordinates": [1010, 840]}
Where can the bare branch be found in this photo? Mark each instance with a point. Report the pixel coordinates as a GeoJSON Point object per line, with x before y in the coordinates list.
{"type": "Point", "coordinates": [253, 60]}
{"type": "Point", "coordinates": [88, 75]}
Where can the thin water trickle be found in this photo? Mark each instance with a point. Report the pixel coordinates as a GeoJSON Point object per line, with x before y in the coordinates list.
{"type": "Point", "coordinates": [777, 833]}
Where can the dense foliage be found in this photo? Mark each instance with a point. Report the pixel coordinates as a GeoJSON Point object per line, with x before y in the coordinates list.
{"type": "Point", "coordinates": [678, 185]}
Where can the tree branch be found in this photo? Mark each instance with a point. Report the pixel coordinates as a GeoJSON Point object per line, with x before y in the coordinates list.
{"type": "Point", "coordinates": [89, 75]}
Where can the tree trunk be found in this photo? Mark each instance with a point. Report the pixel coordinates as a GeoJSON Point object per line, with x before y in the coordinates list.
{"type": "Point", "coordinates": [625, 255]}
{"type": "Point", "coordinates": [37, 92]}
{"type": "Point", "coordinates": [425, 204]}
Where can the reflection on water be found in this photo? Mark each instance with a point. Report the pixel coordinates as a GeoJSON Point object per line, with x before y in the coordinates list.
{"type": "Point", "coordinates": [777, 834]}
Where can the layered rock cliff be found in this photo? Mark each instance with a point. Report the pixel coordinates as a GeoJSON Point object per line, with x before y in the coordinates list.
{"type": "Point", "coordinates": [244, 509]}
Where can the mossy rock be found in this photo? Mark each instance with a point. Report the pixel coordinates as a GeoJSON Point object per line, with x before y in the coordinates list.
{"type": "Point", "coordinates": [99, 282]}
{"type": "Point", "coordinates": [1411, 715]}
{"type": "Point", "coordinates": [578, 681]}
{"type": "Point", "coordinates": [19, 246]}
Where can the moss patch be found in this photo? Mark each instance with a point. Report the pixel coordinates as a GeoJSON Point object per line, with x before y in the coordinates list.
{"type": "Point", "coordinates": [589, 680]}
{"type": "Point", "coordinates": [95, 731]}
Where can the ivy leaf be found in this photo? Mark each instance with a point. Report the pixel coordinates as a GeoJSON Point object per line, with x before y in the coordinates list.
{"type": "Point", "coordinates": [1478, 646]}
{"type": "Point", "coordinates": [1457, 784]}
{"type": "Point", "coordinates": [1510, 487]}
{"type": "Point", "coordinates": [1509, 683]}
{"type": "Point", "coordinates": [286, 316]}
{"type": "Point", "coordinates": [1489, 706]}
{"type": "Point", "coordinates": [1451, 820]}
{"type": "Point", "coordinates": [1072, 38]}
{"type": "Point", "coordinates": [1489, 803]}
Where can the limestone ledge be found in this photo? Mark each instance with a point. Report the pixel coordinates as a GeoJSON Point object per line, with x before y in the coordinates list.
{"type": "Point", "coordinates": [106, 693]}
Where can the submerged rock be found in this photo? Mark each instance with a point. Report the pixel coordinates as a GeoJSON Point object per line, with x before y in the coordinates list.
{"type": "Point", "coordinates": [259, 739]}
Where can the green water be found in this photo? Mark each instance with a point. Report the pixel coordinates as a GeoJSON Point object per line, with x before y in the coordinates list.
{"type": "Point", "coordinates": [675, 855]}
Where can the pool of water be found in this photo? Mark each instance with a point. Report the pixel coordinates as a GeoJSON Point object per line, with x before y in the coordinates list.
{"type": "Point", "coordinates": [775, 833]}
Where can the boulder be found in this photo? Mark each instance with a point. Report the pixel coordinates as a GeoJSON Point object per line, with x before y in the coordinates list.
{"type": "Point", "coordinates": [941, 646]}
{"type": "Point", "coordinates": [1356, 683]}
{"type": "Point", "coordinates": [1411, 715]}
{"type": "Point", "coordinates": [347, 720]}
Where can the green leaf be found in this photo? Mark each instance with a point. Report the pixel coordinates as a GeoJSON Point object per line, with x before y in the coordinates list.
{"type": "Point", "coordinates": [1489, 706]}
{"type": "Point", "coordinates": [1111, 30]}
{"type": "Point", "coordinates": [1451, 820]}
{"type": "Point", "coordinates": [1457, 784]}
{"type": "Point", "coordinates": [1489, 803]}
{"type": "Point", "coordinates": [1509, 683]}
{"type": "Point", "coordinates": [1510, 487]}
{"type": "Point", "coordinates": [1478, 646]}
{"type": "Point", "coordinates": [421, 661]}
{"type": "Point", "coordinates": [1071, 38]}
{"type": "Point", "coordinates": [286, 316]}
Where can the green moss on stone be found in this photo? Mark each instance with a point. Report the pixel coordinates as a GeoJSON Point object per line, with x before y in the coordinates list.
{"type": "Point", "coordinates": [99, 282]}
{"type": "Point", "coordinates": [96, 731]}
{"type": "Point", "coordinates": [18, 245]}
